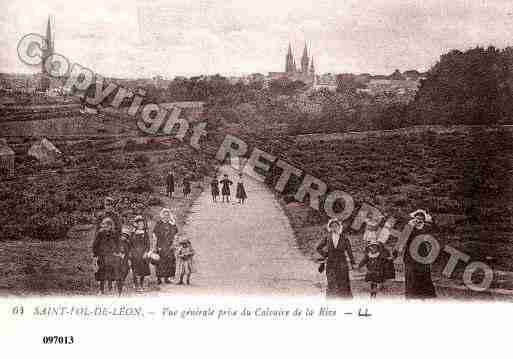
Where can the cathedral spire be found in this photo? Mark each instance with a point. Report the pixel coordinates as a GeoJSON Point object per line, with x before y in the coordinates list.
{"type": "Point", "coordinates": [312, 67]}
{"type": "Point", "coordinates": [305, 61]}
{"type": "Point", "coordinates": [49, 40]}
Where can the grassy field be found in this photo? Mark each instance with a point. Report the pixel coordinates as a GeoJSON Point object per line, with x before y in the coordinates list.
{"type": "Point", "coordinates": [47, 213]}
{"type": "Point", "coordinates": [464, 179]}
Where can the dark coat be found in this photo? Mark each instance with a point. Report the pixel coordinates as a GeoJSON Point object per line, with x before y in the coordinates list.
{"type": "Point", "coordinates": [170, 183]}
{"type": "Point", "coordinates": [418, 283]}
{"type": "Point", "coordinates": [139, 244]}
{"type": "Point", "coordinates": [226, 186]}
{"type": "Point", "coordinates": [106, 247]}
{"type": "Point", "coordinates": [112, 214]}
{"type": "Point", "coordinates": [215, 187]}
{"type": "Point", "coordinates": [186, 186]}
{"type": "Point", "coordinates": [241, 191]}
{"type": "Point", "coordinates": [337, 268]}
{"type": "Point", "coordinates": [378, 268]}
{"type": "Point", "coordinates": [165, 233]}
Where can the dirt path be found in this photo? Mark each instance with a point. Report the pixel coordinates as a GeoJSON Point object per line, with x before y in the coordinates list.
{"type": "Point", "coordinates": [245, 249]}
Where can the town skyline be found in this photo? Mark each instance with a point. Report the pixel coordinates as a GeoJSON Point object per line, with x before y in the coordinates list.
{"type": "Point", "coordinates": [142, 39]}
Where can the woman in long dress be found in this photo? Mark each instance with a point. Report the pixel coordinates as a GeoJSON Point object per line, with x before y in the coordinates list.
{"type": "Point", "coordinates": [335, 248]}
{"type": "Point", "coordinates": [165, 231]}
{"type": "Point", "coordinates": [186, 187]}
{"type": "Point", "coordinates": [241, 191]}
{"type": "Point", "coordinates": [225, 191]}
{"type": "Point", "coordinates": [418, 282]}
{"type": "Point", "coordinates": [139, 247]}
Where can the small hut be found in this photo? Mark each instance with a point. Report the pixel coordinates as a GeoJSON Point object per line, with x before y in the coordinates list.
{"type": "Point", "coordinates": [6, 160]}
{"type": "Point", "coordinates": [45, 152]}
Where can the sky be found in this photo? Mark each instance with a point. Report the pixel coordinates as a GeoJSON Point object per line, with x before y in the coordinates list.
{"type": "Point", "coordinates": [144, 38]}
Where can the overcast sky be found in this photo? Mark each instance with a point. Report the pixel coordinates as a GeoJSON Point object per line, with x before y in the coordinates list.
{"type": "Point", "coordinates": [141, 38]}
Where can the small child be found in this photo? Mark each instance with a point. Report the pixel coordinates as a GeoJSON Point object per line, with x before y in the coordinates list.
{"type": "Point", "coordinates": [375, 259]}
{"type": "Point", "coordinates": [185, 264]}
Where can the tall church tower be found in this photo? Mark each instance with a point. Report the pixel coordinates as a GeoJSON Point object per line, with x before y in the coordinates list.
{"type": "Point", "coordinates": [312, 67]}
{"type": "Point", "coordinates": [47, 51]}
{"type": "Point", "coordinates": [290, 64]}
{"type": "Point", "coordinates": [305, 61]}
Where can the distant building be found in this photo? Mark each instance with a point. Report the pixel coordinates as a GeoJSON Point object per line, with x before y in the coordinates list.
{"type": "Point", "coordinates": [6, 160]}
{"type": "Point", "coordinates": [45, 152]}
{"type": "Point", "coordinates": [47, 51]}
{"type": "Point", "coordinates": [306, 73]}
{"type": "Point", "coordinates": [325, 81]}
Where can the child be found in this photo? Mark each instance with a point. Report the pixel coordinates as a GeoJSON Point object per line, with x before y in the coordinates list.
{"type": "Point", "coordinates": [215, 189]}
{"type": "Point", "coordinates": [225, 191]}
{"type": "Point", "coordinates": [106, 250]}
{"type": "Point", "coordinates": [124, 252]}
{"type": "Point", "coordinates": [139, 246]}
{"type": "Point", "coordinates": [375, 259]}
{"type": "Point", "coordinates": [241, 192]}
{"type": "Point", "coordinates": [184, 256]}
{"type": "Point", "coordinates": [186, 187]}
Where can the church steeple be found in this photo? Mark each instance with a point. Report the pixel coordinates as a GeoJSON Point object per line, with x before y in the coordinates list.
{"type": "Point", "coordinates": [312, 67]}
{"type": "Point", "coordinates": [290, 64]}
{"type": "Point", "coordinates": [305, 60]}
{"type": "Point", "coordinates": [49, 40]}
{"type": "Point", "coordinates": [47, 51]}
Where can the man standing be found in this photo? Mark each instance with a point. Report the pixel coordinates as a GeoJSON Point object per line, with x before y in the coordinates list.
{"type": "Point", "coordinates": [170, 184]}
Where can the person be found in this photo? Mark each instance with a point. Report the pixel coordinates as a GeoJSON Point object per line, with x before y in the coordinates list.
{"type": "Point", "coordinates": [106, 248]}
{"type": "Point", "coordinates": [186, 186]}
{"type": "Point", "coordinates": [334, 248]}
{"type": "Point", "coordinates": [124, 248]}
{"type": "Point", "coordinates": [139, 247]}
{"type": "Point", "coordinates": [165, 231]}
{"type": "Point", "coordinates": [375, 259]}
{"type": "Point", "coordinates": [109, 211]}
{"type": "Point", "coordinates": [170, 184]}
{"type": "Point", "coordinates": [184, 256]}
{"type": "Point", "coordinates": [241, 191]}
{"type": "Point", "coordinates": [225, 191]}
{"type": "Point", "coordinates": [215, 189]}
{"type": "Point", "coordinates": [418, 281]}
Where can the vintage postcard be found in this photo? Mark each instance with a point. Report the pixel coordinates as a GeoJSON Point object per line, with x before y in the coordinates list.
{"type": "Point", "coordinates": [332, 166]}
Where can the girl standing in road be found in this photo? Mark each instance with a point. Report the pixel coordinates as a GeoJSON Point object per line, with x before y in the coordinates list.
{"type": "Point", "coordinates": [184, 255]}
{"type": "Point", "coordinates": [186, 187]}
{"type": "Point", "coordinates": [215, 189]}
{"type": "Point", "coordinates": [225, 191]}
{"type": "Point", "coordinates": [165, 231]}
{"type": "Point", "coordinates": [241, 191]}
{"type": "Point", "coordinates": [139, 247]}
{"type": "Point", "coordinates": [106, 248]}
{"type": "Point", "coordinates": [335, 248]}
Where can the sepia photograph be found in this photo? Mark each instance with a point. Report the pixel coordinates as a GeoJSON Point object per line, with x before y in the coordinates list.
{"type": "Point", "coordinates": [340, 152]}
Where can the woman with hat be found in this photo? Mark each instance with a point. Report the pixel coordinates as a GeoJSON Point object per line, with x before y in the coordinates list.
{"type": "Point", "coordinates": [165, 231]}
{"type": "Point", "coordinates": [139, 247]}
{"type": "Point", "coordinates": [418, 282]}
{"type": "Point", "coordinates": [214, 185]}
{"type": "Point", "coordinates": [106, 248]}
{"type": "Point", "coordinates": [185, 264]}
{"type": "Point", "coordinates": [335, 248]}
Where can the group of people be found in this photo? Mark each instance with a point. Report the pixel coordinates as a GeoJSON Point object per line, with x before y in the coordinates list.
{"type": "Point", "coordinates": [226, 183]}
{"type": "Point", "coordinates": [335, 250]}
{"type": "Point", "coordinates": [119, 249]}
{"type": "Point", "coordinates": [170, 185]}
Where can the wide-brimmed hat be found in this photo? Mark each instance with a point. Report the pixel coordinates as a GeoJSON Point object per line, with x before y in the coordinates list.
{"type": "Point", "coordinates": [183, 240]}
{"type": "Point", "coordinates": [138, 218]}
{"type": "Point", "coordinates": [427, 216]}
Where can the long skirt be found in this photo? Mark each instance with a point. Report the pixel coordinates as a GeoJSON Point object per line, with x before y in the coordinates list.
{"type": "Point", "coordinates": [140, 266]}
{"type": "Point", "coordinates": [241, 192]}
{"type": "Point", "coordinates": [339, 285]}
{"type": "Point", "coordinates": [109, 268]}
{"type": "Point", "coordinates": [166, 266]}
{"type": "Point", "coordinates": [418, 283]}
